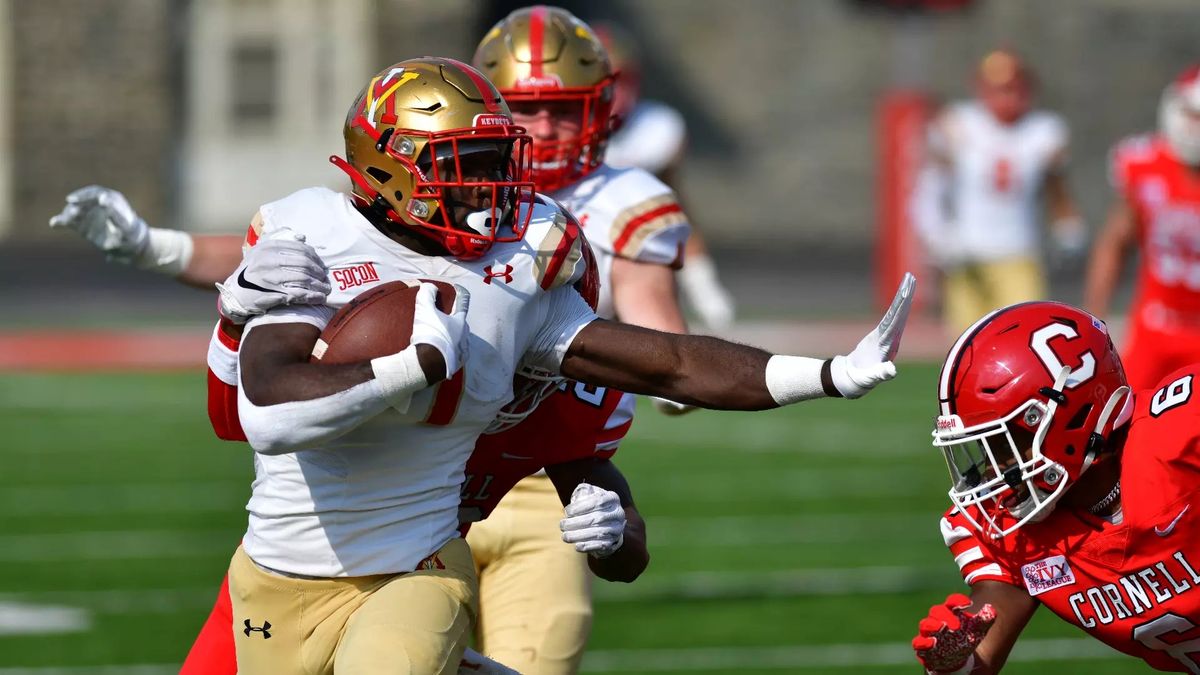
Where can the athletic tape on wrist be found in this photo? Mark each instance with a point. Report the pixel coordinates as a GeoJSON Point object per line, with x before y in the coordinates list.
{"type": "Point", "coordinates": [791, 379]}
{"type": "Point", "coordinates": [167, 252]}
{"type": "Point", "coordinates": [399, 375]}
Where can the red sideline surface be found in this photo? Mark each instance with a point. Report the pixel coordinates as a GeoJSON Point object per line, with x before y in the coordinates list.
{"type": "Point", "coordinates": [74, 350]}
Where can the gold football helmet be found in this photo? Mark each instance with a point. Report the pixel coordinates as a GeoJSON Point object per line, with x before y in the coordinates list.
{"type": "Point", "coordinates": [545, 55]}
{"type": "Point", "coordinates": [431, 146]}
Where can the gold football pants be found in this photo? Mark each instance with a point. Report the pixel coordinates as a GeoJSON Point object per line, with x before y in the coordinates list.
{"type": "Point", "coordinates": [534, 589]}
{"type": "Point", "coordinates": [417, 623]}
{"type": "Point", "coordinates": [975, 289]}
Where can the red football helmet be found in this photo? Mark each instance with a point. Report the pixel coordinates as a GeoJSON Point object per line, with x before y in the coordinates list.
{"type": "Point", "coordinates": [1028, 395]}
{"type": "Point", "coordinates": [1179, 116]}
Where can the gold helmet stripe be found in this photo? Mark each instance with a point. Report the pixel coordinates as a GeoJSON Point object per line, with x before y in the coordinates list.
{"type": "Point", "coordinates": [537, 29]}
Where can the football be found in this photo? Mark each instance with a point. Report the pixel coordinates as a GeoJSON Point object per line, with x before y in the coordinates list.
{"type": "Point", "coordinates": [375, 323]}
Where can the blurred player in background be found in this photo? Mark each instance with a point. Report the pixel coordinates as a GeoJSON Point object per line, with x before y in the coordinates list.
{"type": "Point", "coordinates": [559, 83]}
{"type": "Point", "coordinates": [652, 135]}
{"type": "Point", "coordinates": [1070, 491]}
{"type": "Point", "coordinates": [1156, 210]}
{"type": "Point", "coordinates": [976, 203]}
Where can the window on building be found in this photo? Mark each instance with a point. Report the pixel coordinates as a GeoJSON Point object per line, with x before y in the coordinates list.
{"type": "Point", "coordinates": [255, 67]}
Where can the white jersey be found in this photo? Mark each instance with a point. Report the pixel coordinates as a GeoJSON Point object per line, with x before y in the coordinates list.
{"type": "Point", "coordinates": [384, 496]}
{"type": "Point", "coordinates": [652, 137]}
{"type": "Point", "coordinates": [626, 213]}
{"type": "Point", "coordinates": [996, 173]}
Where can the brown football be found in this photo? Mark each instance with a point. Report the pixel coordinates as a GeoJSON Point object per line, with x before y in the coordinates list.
{"type": "Point", "coordinates": [375, 323]}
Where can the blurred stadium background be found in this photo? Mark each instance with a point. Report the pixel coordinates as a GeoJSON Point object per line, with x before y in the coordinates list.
{"type": "Point", "coordinates": [817, 549]}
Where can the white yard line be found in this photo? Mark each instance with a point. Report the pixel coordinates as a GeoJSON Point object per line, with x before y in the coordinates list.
{"type": "Point", "coordinates": [733, 531]}
{"type": "Point", "coordinates": [776, 584]}
{"type": "Point", "coordinates": [19, 618]}
{"type": "Point", "coordinates": [126, 600]}
{"type": "Point", "coordinates": [116, 545]}
{"type": "Point", "coordinates": [182, 497]}
{"type": "Point", "coordinates": [130, 669]}
{"type": "Point", "coordinates": [810, 657]}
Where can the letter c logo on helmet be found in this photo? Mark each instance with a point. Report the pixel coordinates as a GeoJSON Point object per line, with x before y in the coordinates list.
{"type": "Point", "coordinates": [1040, 342]}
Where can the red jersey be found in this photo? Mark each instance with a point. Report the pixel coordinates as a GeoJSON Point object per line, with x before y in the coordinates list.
{"type": "Point", "coordinates": [1134, 585]}
{"type": "Point", "coordinates": [1164, 194]}
{"type": "Point", "coordinates": [576, 422]}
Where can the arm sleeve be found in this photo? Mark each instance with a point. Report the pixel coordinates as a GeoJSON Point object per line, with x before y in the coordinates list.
{"type": "Point", "coordinates": [928, 205]}
{"type": "Point", "coordinates": [975, 561]}
{"type": "Point", "coordinates": [565, 314]}
{"type": "Point", "coordinates": [223, 387]}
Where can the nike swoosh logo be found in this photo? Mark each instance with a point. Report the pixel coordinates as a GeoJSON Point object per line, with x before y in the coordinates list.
{"type": "Point", "coordinates": [505, 455]}
{"type": "Point", "coordinates": [1164, 531]}
{"type": "Point", "coordinates": [244, 283]}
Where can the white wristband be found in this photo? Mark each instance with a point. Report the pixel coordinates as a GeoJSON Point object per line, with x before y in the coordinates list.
{"type": "Point", "coordinates": [791, 379]}
{"type": "Point", "coordinates": [167, 252]}
{"type": "Point", "coordinates": [399, 375]}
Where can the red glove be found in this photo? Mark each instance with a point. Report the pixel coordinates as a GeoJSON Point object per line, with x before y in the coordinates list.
{"type": "Point", "coordinates": [948, 636]}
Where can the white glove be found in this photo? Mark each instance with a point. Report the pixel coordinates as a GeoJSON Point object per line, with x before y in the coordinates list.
{"type": "Point", "coordinates": [871, 362]}
{"type": "Point", "coordinates": [595, 521]}
{"type": "Point", "coordinates": [279, 270]}
{"type": "Point", "coordinates": [699, 283]}
{"type": "Point", "coordinates": [671, 408]}
{"type": "Point", "coordinates": [104, 217]}
{"type": "Point", "coordinates": [474, 663]}
{"type": "Point", "coordinates": [445, 332]}
{"type": "Point", "coordinates": [1070, 238]}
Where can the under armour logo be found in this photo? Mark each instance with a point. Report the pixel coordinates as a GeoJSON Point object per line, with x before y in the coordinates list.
{"type": "Point", "coordinates": [505, 273]}
{"type": "Point", "coordinates": [265, 629]}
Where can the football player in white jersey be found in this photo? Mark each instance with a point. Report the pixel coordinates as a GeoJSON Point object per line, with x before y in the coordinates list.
{"type": "Point", "coordinates": [975, 206]}
{"type": "Point", "coordinates": [352, 546]}
{"type": "Point", "coordinates": [555, 74]}
{"type": "Point", "coordinates": [652, 136]}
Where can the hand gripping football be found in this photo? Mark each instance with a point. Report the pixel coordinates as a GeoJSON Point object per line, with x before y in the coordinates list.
{"type": "Point", "coordinates": [376, 323]}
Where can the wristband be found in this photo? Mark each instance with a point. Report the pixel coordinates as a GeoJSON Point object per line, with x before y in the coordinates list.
{"type": "Point", "coordinates": [791, 379]}
{"type": "Point", "coordinates": [167, 252]}
{"type": "Point", "coordinates": [399, 375]}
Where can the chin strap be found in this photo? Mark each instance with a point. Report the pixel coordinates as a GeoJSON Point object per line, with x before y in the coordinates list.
{"type": "Point", "coordinates": [1097, 441]}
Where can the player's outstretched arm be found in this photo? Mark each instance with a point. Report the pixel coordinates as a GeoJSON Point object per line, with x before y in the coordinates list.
{"type": "Point", "coordinates": [1112, 246]}
{"type": "Point", "coordinates": [973, 636]}
{"type": "Point", "coordinates": [286, 403]}
{"type": "Point", "coordinates": [601, 519]}
{"type": "Point", "coordinates": [713, 373]}
{"type": "Point", "coordinates": [106, 219]}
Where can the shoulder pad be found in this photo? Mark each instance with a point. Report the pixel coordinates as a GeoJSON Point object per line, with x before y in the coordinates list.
{"type": "Point", "coordinates": [642, 207]}
{"type": "Point", "coordinates": [558, 244]}
{"type": "Point", "coordinates": [253, 233]}
{"type": "Point", "coordinates": [1127, 152]}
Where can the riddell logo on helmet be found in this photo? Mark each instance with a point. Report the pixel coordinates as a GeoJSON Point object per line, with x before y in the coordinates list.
{"type": "Point", "coordinates": [948, 423]}
{"type": "Point", "coordinates": [491, 120]}
{"type": "Point", "coordinates": [547, 81]}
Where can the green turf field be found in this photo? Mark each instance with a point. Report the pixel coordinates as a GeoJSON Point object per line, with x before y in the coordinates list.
{"type": "Point", "coordinates": [800, 540]}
